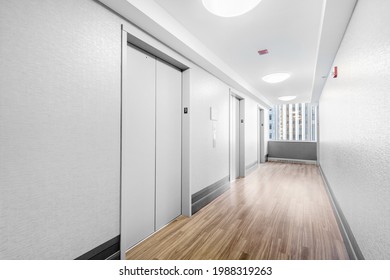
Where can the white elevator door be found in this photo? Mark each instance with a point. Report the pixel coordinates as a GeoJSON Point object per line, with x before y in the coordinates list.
{"type": "Point", "coordinates": [168, 144]}
{"type": "Point", "coordinates": [151, 147]}
{"type": "Point", "coordinates": [138, 149]}
{"type": "Point", "coordinates": [236, 138]}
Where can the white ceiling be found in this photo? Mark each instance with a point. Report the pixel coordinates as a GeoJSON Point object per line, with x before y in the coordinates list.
{"type": "Point", "coordinates": [289, 29]}
{"type": "Point", "coordinates": [302, 37]}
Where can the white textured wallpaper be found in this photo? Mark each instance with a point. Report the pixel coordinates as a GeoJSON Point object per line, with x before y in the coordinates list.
{"type": "Point", "coordinates": [355, 128]}
{"type": "Point", "coordinates": [59, 128]}
{"type": "Point", "coordinates": [208, 164]}
{"type": "Point", "coordinates": [251, 131]}
{"type": "Point", "coordinates": [60, 69]}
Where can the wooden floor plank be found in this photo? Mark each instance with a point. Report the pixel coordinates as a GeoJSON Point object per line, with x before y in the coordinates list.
{"type": "Point", "coordinates": [279, 211]}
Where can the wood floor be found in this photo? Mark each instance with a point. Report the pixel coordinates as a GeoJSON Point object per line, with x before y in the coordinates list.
{"type": "Point", "coordinates": [279, 211]}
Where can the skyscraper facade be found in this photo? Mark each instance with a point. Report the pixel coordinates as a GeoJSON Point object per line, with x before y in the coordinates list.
{"type": "Point", "coordinates": [296, 122]}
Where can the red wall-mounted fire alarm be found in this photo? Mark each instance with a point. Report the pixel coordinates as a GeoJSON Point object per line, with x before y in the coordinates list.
{"type": "Point", "coordinates": [335, 72]}
{"type": "Point", "coordinates": [262, 52]}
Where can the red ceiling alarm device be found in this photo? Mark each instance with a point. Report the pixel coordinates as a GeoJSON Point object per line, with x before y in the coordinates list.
{"type": "Point", "coordinates": [335, 72]}
{"type": "Point", "coordinates": [262, 52]}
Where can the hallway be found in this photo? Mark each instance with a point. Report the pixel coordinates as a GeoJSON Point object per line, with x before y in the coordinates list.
{"type": "Point", "coordinates": [279, 211]}
{"type": "Point", "coordinates": [121, 118]}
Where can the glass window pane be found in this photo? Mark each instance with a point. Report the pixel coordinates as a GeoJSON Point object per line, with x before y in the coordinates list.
{"type": "Point", "coordinates": [293, 122]}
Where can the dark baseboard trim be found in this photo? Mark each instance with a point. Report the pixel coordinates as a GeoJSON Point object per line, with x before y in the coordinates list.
{"type": "Point", "coordinates": [289, 160]}
{"type": "Point", "coordinates": [351, 245]}
{"type": "Point", "coordinates": [208, 194]}
{"type": "Point", "coordinates": [107, 250]}
{"type": "Point", "coordinates": [251, 165]}
{"type": "Point", "coordinates": [116, 256]}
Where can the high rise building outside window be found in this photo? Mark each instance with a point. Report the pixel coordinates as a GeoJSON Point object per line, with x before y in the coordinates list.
{"type": "Point", "coordinates": [295, 122]}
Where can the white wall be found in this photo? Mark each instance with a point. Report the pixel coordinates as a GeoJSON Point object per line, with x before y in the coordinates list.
{"type": "Point", "coordinates": [266, 130]}
{"type": "Point", "coordinates": [251, 131]}
{"type": "Point", "coordinates": [355, 128]}
{"type": "Point", "coordinates": [208, 164]}
{"type": "Point", "coordinates": [59, 128]}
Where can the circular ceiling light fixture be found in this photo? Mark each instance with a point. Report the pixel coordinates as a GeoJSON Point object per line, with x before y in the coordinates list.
{"type": "Point", "coordinates": [276, 78]}
{"type": "Point", "coordinates": [287, 98]}
{"type": "Point", "coordinates": [229, 8]}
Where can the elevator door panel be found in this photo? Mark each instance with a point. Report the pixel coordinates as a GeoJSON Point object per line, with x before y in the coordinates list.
{"type": "Point", "coordinates": [168, 144]}
{"type": "Point", "coordinates": [235, 138]}
{"type": "Point", "coordinates": [138, 149]}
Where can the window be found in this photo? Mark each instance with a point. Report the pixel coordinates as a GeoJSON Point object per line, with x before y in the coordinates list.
{"type": "Point", "coordinates": [295, 122]}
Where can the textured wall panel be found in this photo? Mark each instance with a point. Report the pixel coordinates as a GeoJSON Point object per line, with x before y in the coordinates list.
{"type": "Point", "coordinates": [251, 131]}
{"type": "Point", "coordinates": [355, 128]}
{"type": "Point", "coordinates": [208, 164]}
{"type": "Point", "coordinates": [59, 128]}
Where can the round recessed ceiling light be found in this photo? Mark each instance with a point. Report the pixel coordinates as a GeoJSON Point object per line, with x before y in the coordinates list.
{"type": "Point", "coordinates": [276, 78]}
{"type": "Point", "coordinates": [287, 98]}
{"type": "Point", "coordinates": [230, 8]}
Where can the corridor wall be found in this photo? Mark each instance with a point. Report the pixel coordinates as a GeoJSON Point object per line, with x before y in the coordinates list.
{"type": "Point", "coordinates": [355, 129]}
{"type": "Point", "coordinates": [60, 110]}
